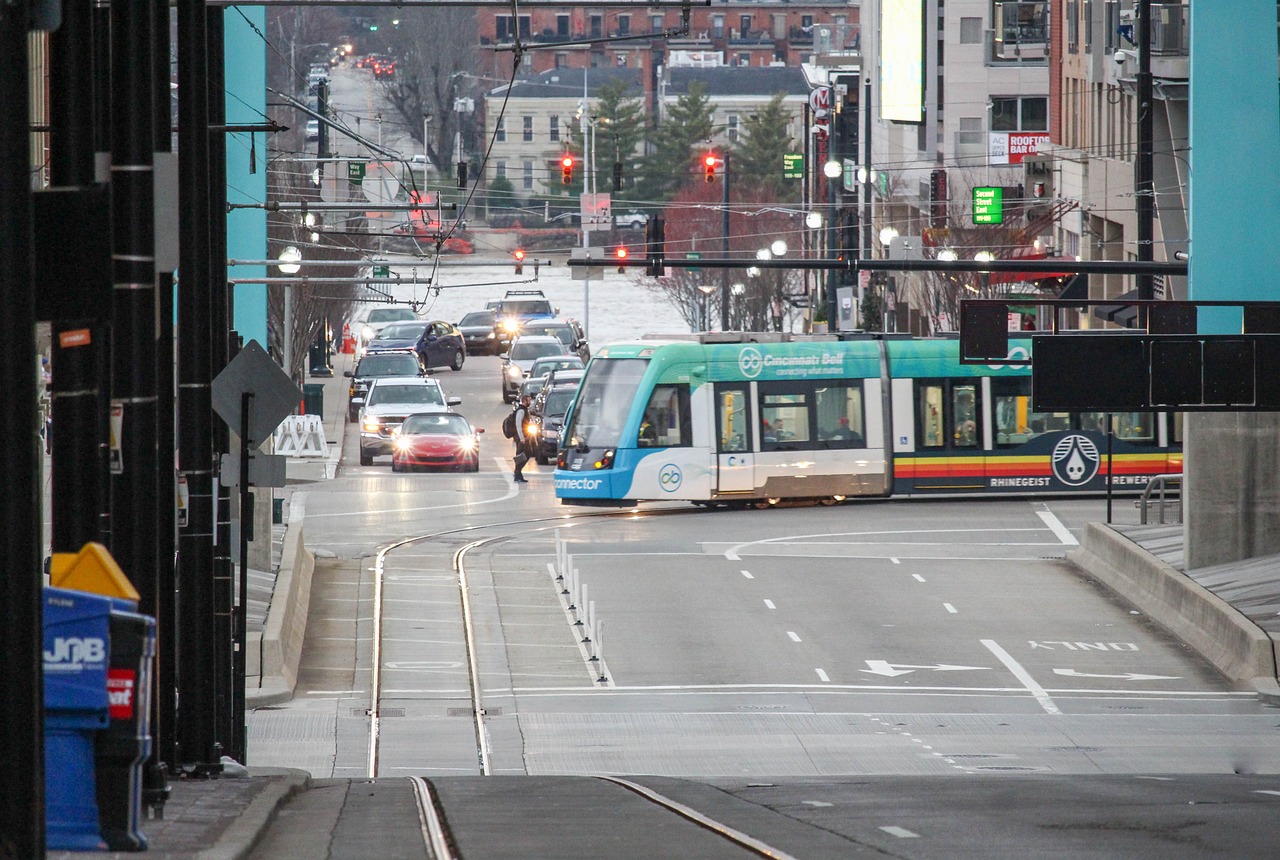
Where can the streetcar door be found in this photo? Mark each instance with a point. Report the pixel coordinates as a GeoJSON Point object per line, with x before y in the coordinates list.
{"type": "Point", "coordinates": [735, 464]}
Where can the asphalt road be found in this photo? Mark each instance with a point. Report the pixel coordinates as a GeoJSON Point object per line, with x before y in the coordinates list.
{"type": "Point", "coordinates": [910, 679]}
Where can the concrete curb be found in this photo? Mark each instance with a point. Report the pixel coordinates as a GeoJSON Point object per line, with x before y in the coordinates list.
{"type": "Point", "coordinates": [286, 626]}
{"type": "Point", "coordinates": [238, 840]}
{"type": "Point", "coordinates": [1219, 632]}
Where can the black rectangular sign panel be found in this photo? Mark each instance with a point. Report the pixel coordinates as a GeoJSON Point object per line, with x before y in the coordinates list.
{"type": "Point", "coordinates": [1096, 373]}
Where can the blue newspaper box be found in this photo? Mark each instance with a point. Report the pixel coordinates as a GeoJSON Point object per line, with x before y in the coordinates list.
{"type": "Point", "coordinates": [76, 642]}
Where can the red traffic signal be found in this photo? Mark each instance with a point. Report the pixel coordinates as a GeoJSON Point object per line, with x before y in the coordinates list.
{"type": "Point", "coordinates": [566, 169]}
{"type": "Point", "coordinates": [519, 255]}
{"type": "Point", "coordinates": [621, 254]}
{"type": "Point", "coordinates": [709, 162]}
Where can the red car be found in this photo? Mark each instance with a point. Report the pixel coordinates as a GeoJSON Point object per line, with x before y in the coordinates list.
{"type": "Point", "coordinates": [437, 439]}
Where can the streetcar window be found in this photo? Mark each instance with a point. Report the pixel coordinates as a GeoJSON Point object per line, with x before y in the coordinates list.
{"type": "Point", "coordinates": [608, 391]}
{"type": "Point", "coordinates": [784, 420]}
{"type": "Point", "coordinates": [666, 422]}
{"type": "Point", "coordinates": [734, 433]}
{"type": "Point", "coordinates": [1129, 426]}
{"type": "Point", "coordinates": [933, 432]}
{"type": "Point", "coordinates": [1015, 421]}
{"type": "Point", "coordinates": [840, 416]}
{"type": "Point", "coordinates": [964, 405]}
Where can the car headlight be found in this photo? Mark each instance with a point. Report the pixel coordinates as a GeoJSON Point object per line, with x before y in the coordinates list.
{"type": "Point", "coordinates": [469, 444]}
{"type": "Point", "coordinates": [400, 443]}
{"type": "Point", "coordinates": [510, 326]}
{"type": "Point", "coordinates": [515, 372]}
{"type": "Point", "coordinates": [490, 336]}
{"type": "Point", "coordinates": [371, 425]}
{"type": "Point", "coordinates": [367, 332]}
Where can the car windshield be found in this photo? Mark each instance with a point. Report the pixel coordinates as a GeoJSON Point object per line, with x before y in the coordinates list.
{"type": "Point", "coordinates": [480, 318]}
{"type": "Point", "coordinates": [606, 396]}
{"type": "Point", "coordinates": [427, 395]}
{"type": "Point", "coordinates": [445, 422]}
{"type": "Point", "coordinates": [527, 307]}
{"type": "Point", "coordinates": [385, 315]}
{"type": "Point", "coordinates": [401, 331]}
{"type": "Point", "coordinates": [524, 350]}
{"type": "Point", "coordinates": [557, 400]}
{"type": "Point", "coordinates": [388, 365]}
{"type": "Point", "coordinates": [561, 332]}
{"type": "Point", "coordinates": [542, 367]}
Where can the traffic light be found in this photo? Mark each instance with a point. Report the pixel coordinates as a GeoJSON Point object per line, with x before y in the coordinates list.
{"type": "Point", "coordinates": [519, 255]}
{"type": "Point", "coordinates": [617, 176]}
{"type": "Point", "coordinates": [621, 254]}
{"type": "Point", "coordinates": [709, 162]}
{"type": "Point", "coordinates": [655, 247]}
{"type": "Point", "coordinates": [462, 175]}
{"type": "Point", "coordinates": [566, 169]}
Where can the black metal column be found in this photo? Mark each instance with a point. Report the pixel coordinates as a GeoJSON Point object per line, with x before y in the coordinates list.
{"type": "Point", "coordinates": [1143, 163]}
{"type": "Point", "coordinates": [21, 729]}
{"type": "Point", "coordinates": [197, 730]}
{"type": "Point", "coordinates": [223, 559]}
{"type": "Point", "coordinates": [79, 487]}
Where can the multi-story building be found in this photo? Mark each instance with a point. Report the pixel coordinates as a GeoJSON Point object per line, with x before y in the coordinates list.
{"type": "Point", "coordinates": [533, 129]}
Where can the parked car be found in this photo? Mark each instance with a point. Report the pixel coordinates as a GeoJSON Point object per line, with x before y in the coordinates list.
{"type": "Point", "coordinates": [313, 129]}
{"type": "Point", "coordinates": [371, 367]}
{"type": "Point", "coordinates": [437, 440]}
{"type": "Point", "coordinates": [441, 345]}
{"type": "Point", "coordinates": [375, 319]}
{"type": "Point", "coordinates": [634, 220]}
{"type": "Point", "coordinates": [517, 361]}
{"type": "Point", "coordinates": [568, 331]}
{"type": "Point", "coordinates": [549, 409]}
{"type": "Point", "coordinates": [479, 332]}
{"type": "Point", "coordinates": [390, 400]}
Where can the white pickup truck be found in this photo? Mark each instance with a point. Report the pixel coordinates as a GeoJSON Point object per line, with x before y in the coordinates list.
{"type": "Point", "coordinates": [632, 220]}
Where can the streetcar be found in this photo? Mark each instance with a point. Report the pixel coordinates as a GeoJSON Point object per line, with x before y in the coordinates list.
{"type": "Point", "coordinates": [725, 418]}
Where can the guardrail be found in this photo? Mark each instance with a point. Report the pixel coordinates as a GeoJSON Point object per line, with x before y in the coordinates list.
{"type": "Point", "coordinates": [1161, 484]}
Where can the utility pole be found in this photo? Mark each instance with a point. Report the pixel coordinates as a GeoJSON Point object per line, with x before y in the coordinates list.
{"type": "Point", "coordinates": [724, 247]}
{"type": "Point", "coordinates": [1142, 165]}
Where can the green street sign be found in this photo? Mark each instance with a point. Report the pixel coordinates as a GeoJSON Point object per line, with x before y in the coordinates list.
{"type": "Point", "coordinates": [381, 271]}
{"type": "Point", "coordinates": [792, 165]}
{"type": "Point", "coordinates": [988, 205]}
{"type": "Point", "coordinates": [355, 171]}
{"type": "Point", "coordinates": [692, 255]}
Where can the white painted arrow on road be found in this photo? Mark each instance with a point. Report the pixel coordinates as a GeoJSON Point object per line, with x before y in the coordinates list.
{"type": "Point", "coordinates": [890, 670]}
{"type": "Point", "coordinates": [1127, 676]}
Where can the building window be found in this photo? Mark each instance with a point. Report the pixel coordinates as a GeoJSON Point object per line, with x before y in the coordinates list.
{"type": "Point", "coordinates": [655, 24]}
{"type": "Point", "coordinates": [562, 59]}
{"type": "Point", "coordinates": [525, 27]}
{"type": "Point", "coordinates": [502, 27]}
{"type": "Point", "coordinates": [527, 131]}
{"type": "Point", "coordinates": [562, 26]}
{"type": "Point", "coordinates": [624, 25]}
{"type": "Point", "coordinates": [1020, 114]}
{"type": "Point", "coordinates": [744, 23]}
{"type": "Point", "coordinates": [744, 59]}
{"type": "Point", "coordinates": [717, 26]}
{"type": "Point", "coordinates": [1088, 26]}
{"type": "Point", "coordinates": [1073, 26]}
{"type": "Point", "coordinates": [806, 23]}
{"type": "Point", "coordinates": [500, 130]}
{"type": "Point", "coordinates": [970, 31]}
{"type": "Point", "coordinates": [622, 61]}
{"type": "Point", "coordinates": [555, 127]}
{"type": "Point", "coordinates": [596, 25]}
{"type": "Point", "coordinates": [500, 170]}
{"type": "Point", "coordinates": [528, 176]}
{"type": "Point", "coordinates": [731, 131]}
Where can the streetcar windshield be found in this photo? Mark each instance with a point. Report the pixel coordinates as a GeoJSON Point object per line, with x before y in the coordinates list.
{"type": "Point", "coordinates": [606, 396]}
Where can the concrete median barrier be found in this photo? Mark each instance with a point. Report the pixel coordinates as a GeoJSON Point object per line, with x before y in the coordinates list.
{"type": "Point", "coordinates": [272, 661]}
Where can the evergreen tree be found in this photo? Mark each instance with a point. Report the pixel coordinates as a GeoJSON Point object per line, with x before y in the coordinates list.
{"type": "Point", "coordinates": [757, 158]}
{"type": "Point", "coordinates": [677, 143]}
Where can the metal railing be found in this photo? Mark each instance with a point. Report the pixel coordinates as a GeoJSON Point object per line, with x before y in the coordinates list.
{"type": "Point", "coordinates": [1160, 485]}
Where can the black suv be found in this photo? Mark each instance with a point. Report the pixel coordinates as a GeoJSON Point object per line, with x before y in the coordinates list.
{"type": "Point", "coordinates": [548, 411]}
{"type": "Point", "coordinates": [371, 367]}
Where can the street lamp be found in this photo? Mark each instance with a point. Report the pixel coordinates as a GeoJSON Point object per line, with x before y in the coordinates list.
{"type": "Point", "coordinates": [887, 235]}
{"type": "Point", "coordinates": [778, 248]}
{"type": "Point", "coordinates": [813, 220]}
{"type": "Point", "coordinates": [290, 262]}
{"type": "Point", "coordinates": [706, 290]}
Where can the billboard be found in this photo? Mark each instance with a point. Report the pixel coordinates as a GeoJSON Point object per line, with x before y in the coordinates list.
{"type": "Point", "coordinates": [902, 60]}
{"type": "Point", "coordinates": [1010, 147]}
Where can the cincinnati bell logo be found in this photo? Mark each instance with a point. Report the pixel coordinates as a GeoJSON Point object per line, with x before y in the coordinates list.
{"type": "Point", "coordinates": [750, 362]}
{"type": "Point", "coordinates": [670, 478]}
{"type": "Point", "coordinates": [1075, 460]}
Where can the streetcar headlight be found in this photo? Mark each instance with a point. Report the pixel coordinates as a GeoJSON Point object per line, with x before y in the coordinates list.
{"type": "Point", "coordinates": [606, 460]}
